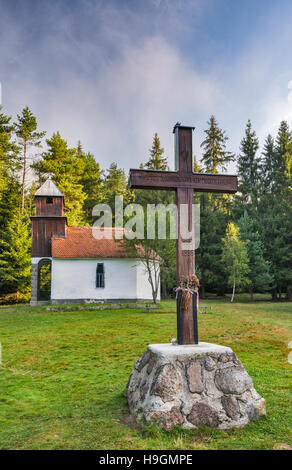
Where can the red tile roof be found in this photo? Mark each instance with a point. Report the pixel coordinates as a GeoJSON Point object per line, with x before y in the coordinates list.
{"type": "Point", "coordinates": [81, 243]}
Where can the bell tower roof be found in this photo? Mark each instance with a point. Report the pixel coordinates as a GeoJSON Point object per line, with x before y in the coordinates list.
{"type": "Point", "coordinates": [49, 189]}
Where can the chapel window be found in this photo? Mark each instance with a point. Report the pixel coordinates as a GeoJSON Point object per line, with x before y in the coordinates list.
{"type": "Point", "coordinates": [100, 275]}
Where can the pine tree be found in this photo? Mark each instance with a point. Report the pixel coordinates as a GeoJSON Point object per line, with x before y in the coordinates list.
{"type": "Point", "coordinates": [115, 184]}
{"type": "Point", "coordinates": [275, 228]}
{"type": "Point", "coordinates": [79, 148]}
{"type": "Point", "coordinates": [66, 168]}
{"type": "Point", "coordinates": [260, 277]}
{"type": "Point", "coordinates": [268, 166]}
{"type": "Point", "coordinates": [215, 156]}
{"type": "Point", "coordinates": [26, 131]}
{"type": "Point", "coordinates": [15, 262]}
{"type": "Point", "coordinates": [92, 183]}
{"type": "Point", "coordinates": [213, 222]}
{"type": "Point", "coordinates": [235, 258]}
{"type": "Point", "coordinates": [9, 167]}
{"type": "Point", "coordinates": [248, 168]}
{"type": "Point", "coordinates": [196, 166]}
{"type": "Point", "coordinates": [9, 151]}
{"type": "Point", "coordinates": [275, 209]}
{"type": "Point", "coordinates": [156, 161]}
{"type": "Point", "coordinates": [215, 213]}
{"type": "Point", "coordinates": [283, 153]}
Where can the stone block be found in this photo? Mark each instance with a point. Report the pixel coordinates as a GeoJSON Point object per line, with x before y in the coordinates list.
{"type": "Point", "coordinates": [191, 386]}
{"type": "Point", "coordinates": [194, 377]}
{"type": "Point", "coordinates": [203, 414]}
{"type": "Point", "coordinates": [166, 382]}
{"type": "Point", "coordinates": [233, 380]}
{"type": "Point", "coordinates": [168, 419]}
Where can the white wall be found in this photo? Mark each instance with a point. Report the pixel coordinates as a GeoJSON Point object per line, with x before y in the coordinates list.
{"type": "Point", "coordinates": [74, 279]}
{"type": "Point", "coordinates": [143, 285]}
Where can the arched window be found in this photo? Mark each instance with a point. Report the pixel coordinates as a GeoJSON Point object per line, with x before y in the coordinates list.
{"type": "Point", "coordinates": [100, 275]}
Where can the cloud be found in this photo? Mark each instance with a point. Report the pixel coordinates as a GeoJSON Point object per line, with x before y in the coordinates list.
{"type": "Point", "coordinates": [147, 91]}
{"type": "Point", "coordinates": [254, 85]}
{"type": "Point", "coordinates": [113, 102]}
{"type": "Point", "coordinates": [113, 73]}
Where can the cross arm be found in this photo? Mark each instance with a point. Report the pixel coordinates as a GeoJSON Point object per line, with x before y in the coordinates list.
{"type": "Point", "coordinates": [172, 180]}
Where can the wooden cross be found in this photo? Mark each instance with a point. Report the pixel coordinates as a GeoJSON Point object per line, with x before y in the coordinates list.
{"type": "Point", "coordinates": [184, 182]}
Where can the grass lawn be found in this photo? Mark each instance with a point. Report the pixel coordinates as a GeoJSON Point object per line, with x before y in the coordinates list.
{"type": "Point", "coordinates": [63, 376]}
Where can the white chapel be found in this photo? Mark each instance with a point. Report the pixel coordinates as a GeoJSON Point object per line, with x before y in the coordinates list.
{"type": "Point", "coordinates": [70, 265]}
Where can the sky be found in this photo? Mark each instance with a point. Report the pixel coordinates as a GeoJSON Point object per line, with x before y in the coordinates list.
{"type": "Point", "coordinates": [111, 73]}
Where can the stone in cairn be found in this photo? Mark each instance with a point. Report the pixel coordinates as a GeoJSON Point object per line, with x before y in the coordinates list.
{"type": "Point", "coordinates": [191, 386]}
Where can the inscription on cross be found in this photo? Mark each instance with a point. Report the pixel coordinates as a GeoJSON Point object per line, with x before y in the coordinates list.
{"type": "Point", "coordinates": [184, 182]}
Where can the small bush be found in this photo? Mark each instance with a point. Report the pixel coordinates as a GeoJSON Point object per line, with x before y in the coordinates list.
{"type": "Point", "coordinates": [15, 298]}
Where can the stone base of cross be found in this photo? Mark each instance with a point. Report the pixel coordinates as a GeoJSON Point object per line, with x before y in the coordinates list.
{"type": "Point", "coordinates": [184, 182]}
{"type": "Point", "coordinates": [187, 386]}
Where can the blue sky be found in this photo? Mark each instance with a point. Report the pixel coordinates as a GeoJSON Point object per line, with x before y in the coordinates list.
{"type": "Point", "coordinates": [111, 73]}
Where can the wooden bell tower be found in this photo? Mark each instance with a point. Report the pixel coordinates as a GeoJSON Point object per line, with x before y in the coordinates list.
{"type": "Point", "coordinates": [48, 221]}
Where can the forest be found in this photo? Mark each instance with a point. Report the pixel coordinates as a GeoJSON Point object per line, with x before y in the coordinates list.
{"type": "Point", "coordinates": [245, 239]}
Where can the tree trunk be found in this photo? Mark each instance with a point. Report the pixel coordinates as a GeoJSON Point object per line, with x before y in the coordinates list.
{"type": "Point", "coordinates": [289, 292]}
{"type": "Point", "coordinates": [233, 291]}
{"type": "Point", "coordinates": [23, 178]}
{"type": "Point", "coordinates": [203, 292]}
{"type": "Point", "coordinates": [274, 295]}
{"type": "Point", "coordinates": [154, 292]}
{"type": "Point", "coordinates": [164, 291]}
{"type": "Point", "coordinates": [220, 292]}
{"type": "Point", "coordinates": [251, 295]}
{"type": "Point", "coordinates": [153, 278]}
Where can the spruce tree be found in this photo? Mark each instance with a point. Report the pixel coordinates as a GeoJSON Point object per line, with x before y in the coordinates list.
{"type": "Point", "coordinates": [15, 257]}
{"type": "Point", "coordinates": [92, 183]}
{"type": "Point", "coordinates": [196, 166]}
{"type": "Point", "coordinates": [235, 258]}
{"type": "Point", "coordinates": [213, 222]}
{"type": "Point", "coordinates": [66, 168]}
{"type": "Point", "coordinates": [275, 209]}
{"type": "Point", "coordinates": [283, 152]}
{"type": "Point", "coordinates": [260, 277]}
{"type": "Point", "coordinates": [248, 168]}
{"type": "Point", "coordinates": [215, 212]}
{"type": "Point", "coordinates": [156, 161]}
{"type": "Point", "coordinates": [115, 184]}
{"type": "Point", "coordinates": [268, 165]}
{"type": "Point", "coordinates": [215, 156]}
{"type": "Point", "coordinates": [9, 151]}
{"type": "Point", "coordinates": [275, 229]}
{"type": "Point", "coordinates": [9, 167]}
{"type": "Point", "coordinates": [26, 131]}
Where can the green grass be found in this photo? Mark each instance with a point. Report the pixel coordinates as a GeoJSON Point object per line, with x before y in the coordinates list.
{"type": "Point", "coordinates": [64, 374]}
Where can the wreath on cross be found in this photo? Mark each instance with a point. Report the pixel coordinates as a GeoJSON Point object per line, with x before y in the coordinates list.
{"type": "Point", "coordinates": [188, 286]}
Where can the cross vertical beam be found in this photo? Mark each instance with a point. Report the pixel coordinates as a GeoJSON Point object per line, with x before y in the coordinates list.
{"type": "Point", "coordinates": [185, 253]}
{"type": "Point", "coordinates": [184, 182]}
{"type": "Point", "coordinates": [185, 258]}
